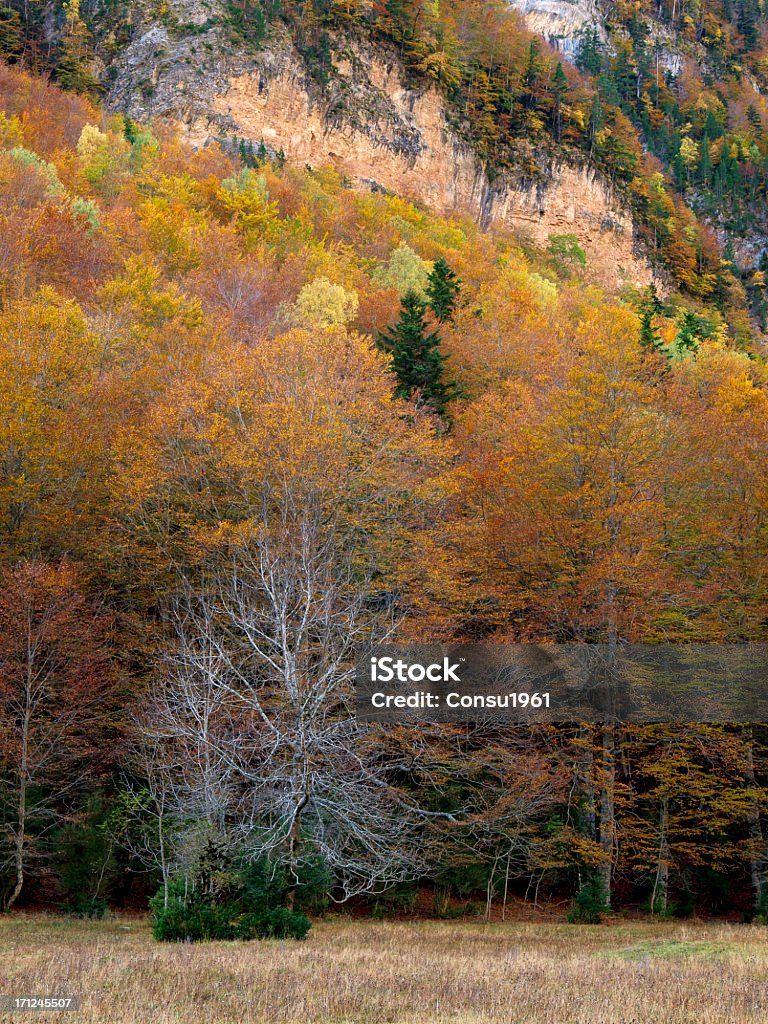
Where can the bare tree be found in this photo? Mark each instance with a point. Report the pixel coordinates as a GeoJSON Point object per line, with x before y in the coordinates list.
{"type": "Point", "coordinates": [252, 719]}
{"type": "Point", "coordinates": [55, 688]}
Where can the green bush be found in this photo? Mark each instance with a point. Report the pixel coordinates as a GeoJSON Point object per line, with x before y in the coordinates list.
{"type": "Point", "coordinates": [590, 903]}
{"type": "Point", "coordinates": [249, 906]}
{"type": "Point", "coordinates": [278, 923]}
{"type": "Point", "coordinates": [398, 899]}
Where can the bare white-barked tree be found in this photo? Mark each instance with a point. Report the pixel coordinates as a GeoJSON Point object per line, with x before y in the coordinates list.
{"type": "Point", "coordinates": [251, 722]}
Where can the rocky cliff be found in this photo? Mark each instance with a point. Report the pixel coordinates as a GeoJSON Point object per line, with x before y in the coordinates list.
{"type": "Point", "coordinates": [378, 130]}
{"type": "Point", "coordinates": [561, 22]}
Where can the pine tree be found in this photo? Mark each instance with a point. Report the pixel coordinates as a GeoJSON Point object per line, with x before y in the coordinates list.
{"type": "Point", "coordinates": [755, 121]}
{"type": "Point", "coordinates": [650, 307]}
{"type": "Point", "coordinates": [590, 55]}
{"type": "Point", "coordinates": [443, 287]}
{"type": "Point", "coordinates": [11, 33]}
{"type": "Point", "coordinates": [417, 361]}
{"type": "Point", "coordinates": [688, 333]}
{"type": "Point", "coordinates": [559, 88]}
{"type": "Point", "coordinates": [532, 75]}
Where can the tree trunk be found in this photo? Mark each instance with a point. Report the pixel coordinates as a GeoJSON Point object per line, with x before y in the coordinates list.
{"type": "Point", "coordinates": [661, 882]}
{"type": "Point", "coordinates": [757, 840]}
{"type": "Point", "coordinates": [21, 824]}
{"type": "Point", "coordinates": [607, 809]}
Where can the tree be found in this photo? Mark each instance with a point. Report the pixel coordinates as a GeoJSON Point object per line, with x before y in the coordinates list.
{"type": "Point", "coordinates": [589, 56]}
{"type": "Point", "coordinates": [253, 721]}
{"type": "Point", "coordinates": [560, 89]}
{"type": "Point", "coordinates": [55, 690]}
{"type": "Point", "coordinates": [689, 332]}
{"type": "Point", "coordinates": [417, 361]}
{"type": "Point", "coordinates": [72, 70]}
{"type": "Point", "coordinates": [405, 271]}
{"type": "Point", "coordinates": [443, 287]}
{"type": "Point", "coordinates": [324, 304]}
{"type": "Point", "coordinates": [650, 307]}
{"type": "Point", "coordinates": [566, 251]}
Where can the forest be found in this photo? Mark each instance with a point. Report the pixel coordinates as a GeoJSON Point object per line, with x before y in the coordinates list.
{"type": "Point", "coordinates": [255, 419]}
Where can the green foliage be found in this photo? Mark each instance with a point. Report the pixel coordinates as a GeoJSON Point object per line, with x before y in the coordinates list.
{"type": "Point", "coordinates": [590, 902]}
{"type": "Point", "coordinates": [398, 899]}
{"type": "Point", "coordinates": [650, 307]}
{"type": "Point", "coordinates": [443, 288]}
{"type": "Point", "coordinates": [86, 908]}
{"type": "Point", "coordinates": [405, 271]}
{"type": "Point", "coordinates": [417, 361]}
{"type": "Point", "coordinates": [85, 861]}
{"type": "Point", "coordinates": [247, 908]}
{"type": "Point", "coordinates": [566, 252]}
{"type": "Point", "coordinates": [27, 158]}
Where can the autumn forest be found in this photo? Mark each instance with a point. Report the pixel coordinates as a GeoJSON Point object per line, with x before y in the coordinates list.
{"type": "Point", "coordinates": [254, 418]}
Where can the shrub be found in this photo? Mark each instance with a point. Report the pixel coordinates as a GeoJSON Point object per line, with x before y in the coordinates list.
{"type": "Point", "coordinates": [195, 917]}
{"type": "Point", "coordinates": [590, 903]}
{"type": "Point", "coordinates": [278, 923]}
{"type": "Point", "coordinates": [249, 906]}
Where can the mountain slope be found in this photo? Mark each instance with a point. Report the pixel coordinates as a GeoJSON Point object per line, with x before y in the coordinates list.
{"type": "Point", "coordinates": [483, 83]}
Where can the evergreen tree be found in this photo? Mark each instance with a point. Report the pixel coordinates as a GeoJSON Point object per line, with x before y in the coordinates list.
{"type": "Point", "coordinates": [11, 35]}
{"type": "Point", "coordinates": [559, 88]}
{"type": "Point", "coordinates": [443, 287]}
{"type": "Point", "coordinates": [651, 306]}
{"type": "Point", "coordinates": [689, 332]}
{"type": "Point", "coordinates": [755, 121]}
{"type": "Point", "coordinates": [532, 75]}
{"type": "Point", "coordinates": [590, 54]}
{"type": "Point", "coordinates": [746, 22]}
{"type": "Point", "coordinates": [417, 361]}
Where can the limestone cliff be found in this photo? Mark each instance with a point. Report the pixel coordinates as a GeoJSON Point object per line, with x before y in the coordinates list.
{"type": "Point", "coordinates": [375, 128]}
{"type": "Point", "coordinates": [561, 22]}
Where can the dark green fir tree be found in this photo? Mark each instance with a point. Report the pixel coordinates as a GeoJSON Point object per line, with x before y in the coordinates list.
{"type": "Point", "coordinates": [443, 288]}
{"type": "Point", "coordinates": [417, 361]}
{"type": "Point", "coordinates": [650, 307]}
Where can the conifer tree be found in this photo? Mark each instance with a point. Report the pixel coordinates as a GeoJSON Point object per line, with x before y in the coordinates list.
{"type": "Point", "coordinates": [443, 287]}
{"type": "Point", "coordinates": [11, 35]}
{"type": "Point", "coordinates": [559, 88]}
{"type": "Point", "coordinates": [590, 54]}
{"type": "Point", "coordinates": [417, 361]}
{"type": "Point", "coordinates": [688, 333]}
{"type": "Point", "coordinates": [650, 307]}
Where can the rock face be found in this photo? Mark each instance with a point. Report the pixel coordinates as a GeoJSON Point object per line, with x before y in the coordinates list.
{"type": "Point", "coordinates": [376, 131]}
{"type": "Point", "coordinates": [561, 22]}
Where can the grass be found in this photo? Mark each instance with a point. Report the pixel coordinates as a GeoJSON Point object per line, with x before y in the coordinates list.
{"type": "Point", "coordinates": [366, 972]}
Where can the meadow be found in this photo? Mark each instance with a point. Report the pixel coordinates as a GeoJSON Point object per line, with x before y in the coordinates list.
{"type": "Point", "coordinates": [369, 972]}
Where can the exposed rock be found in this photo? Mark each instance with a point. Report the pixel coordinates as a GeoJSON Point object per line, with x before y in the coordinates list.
{"type": "Point", "coordinates": [378, 131]}
{"type": "Point", "coordinates": [561, 22]}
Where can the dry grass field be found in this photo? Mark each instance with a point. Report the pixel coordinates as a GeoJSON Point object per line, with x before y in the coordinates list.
{"type": "Point", "coordinates": [353, 972]}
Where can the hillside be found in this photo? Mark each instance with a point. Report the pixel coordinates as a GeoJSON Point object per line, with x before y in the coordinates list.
{"type": "Point", "coordinates": [456, 105]}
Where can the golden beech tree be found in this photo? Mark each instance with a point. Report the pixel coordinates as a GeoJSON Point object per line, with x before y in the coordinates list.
{"type": "Point", "coordinates": [51, 445]}
{"type": "Point", "coordinates": [558, 522]}
{"type": "Point", "coordinates": [301, 414]}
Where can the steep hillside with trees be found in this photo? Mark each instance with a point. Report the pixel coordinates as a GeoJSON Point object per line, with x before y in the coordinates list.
{"type": "Point", "coordinates": [509, 97]}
